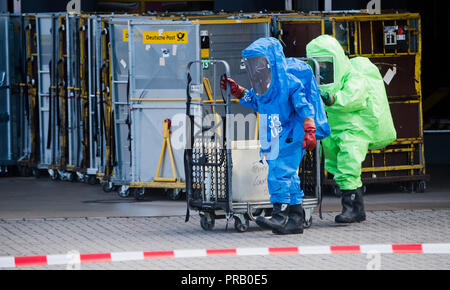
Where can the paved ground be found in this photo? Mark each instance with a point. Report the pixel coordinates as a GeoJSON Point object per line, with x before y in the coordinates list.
{"type": "Point", "coordinates": [41, 198]}
{"type": "Point", "coordinates": [94, 235]}
{"type": "Point", "coordinates": [40, 217]}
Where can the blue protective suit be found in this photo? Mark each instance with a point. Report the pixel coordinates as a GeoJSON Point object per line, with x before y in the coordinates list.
{"type": "Point", "coordinates": [283, 108]}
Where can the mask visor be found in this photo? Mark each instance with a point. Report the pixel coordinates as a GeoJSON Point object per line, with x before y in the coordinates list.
{"type": "Point", "coordinates": [326, 66]}
{"type": "Point", "coordinates": [258, 69]}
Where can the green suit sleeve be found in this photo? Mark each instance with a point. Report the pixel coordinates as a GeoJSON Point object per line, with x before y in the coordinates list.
{"type": "Point", "coordinates": [353, 95]}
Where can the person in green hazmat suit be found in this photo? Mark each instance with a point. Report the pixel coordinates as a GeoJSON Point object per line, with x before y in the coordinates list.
{"type": "Point", "coordinates": [359, 116]}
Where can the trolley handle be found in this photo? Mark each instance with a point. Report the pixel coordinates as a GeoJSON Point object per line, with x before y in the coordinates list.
{"type": "Point", "coordinates": [227, 75]}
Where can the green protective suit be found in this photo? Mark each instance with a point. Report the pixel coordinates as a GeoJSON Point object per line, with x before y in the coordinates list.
{"type": "Point", "coordinates": [360, 118]}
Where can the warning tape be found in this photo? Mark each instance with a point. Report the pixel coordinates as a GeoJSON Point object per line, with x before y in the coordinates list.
{"type": "Point", "coordinates": [49, 260]}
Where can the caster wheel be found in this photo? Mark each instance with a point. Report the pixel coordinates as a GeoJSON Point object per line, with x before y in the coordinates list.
{"type": "Point", "coordinates": [107, 186]}
{"type": "Point", "coordinates": [421, 186]}
{"type": "Point", "coordinates": [138, 193]}
{"type": "Point", "coordinates": [241, 227]}
{"type": "Point", "coordinates": [36, 173]}
{"type": "Point", "coordinates": [411, 187]}
{"type": "Point", "coordinates": [24, 171]}
{"type": "Point", "coordinates": [308, 223]}
{"type": "Point", "coordinates": [404, 188]}
{"type": "Point", "coordinates": [174, 194]}
{"type": "Point", "coordinates": [71, 177]}
{"type": "Point", "coordinates": [92, 179]}
{"type": "Point", "coordinates": [54, 176]}
{"type": "Point", "coordinates": [124, 191]}
{"type": "Point", "coordinates": [336, 191]}
{"type": "Point", "coordinates": [207, 224]}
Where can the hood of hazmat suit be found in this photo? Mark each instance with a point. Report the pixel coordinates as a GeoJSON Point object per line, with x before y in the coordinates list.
{"type": "Point", "coordinates": [377, 116]}
{"type": "Point", "coordinates": [360, 118]}
{"type": "Point", "coordinates": [283, 102]}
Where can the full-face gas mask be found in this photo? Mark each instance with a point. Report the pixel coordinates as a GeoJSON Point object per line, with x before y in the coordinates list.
{"type": "Point", "coordinates": [258, 69]}
{"type": "Point", "coordinates": [326, 67]}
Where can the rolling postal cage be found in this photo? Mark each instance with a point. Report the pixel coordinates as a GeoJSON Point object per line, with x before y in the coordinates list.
{"type": "Point", "coordinates": [393, 43]}
{"type": "Point", "coordinates": [219, 168]}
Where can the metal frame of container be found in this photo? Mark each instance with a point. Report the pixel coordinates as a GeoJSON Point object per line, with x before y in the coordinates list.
{"type": "Point", "coordinates": [96, 112]}
{"type": "Point", "coordinates": [44, 84]}
{"type": "Point", "coordinates": [118, 85]}
{"type": "Point", "coordinates": [74, 94]}
{"type": "Point", "coordinates": [163, 102]}
{"type": "Point", "coordinates": [10, 99]}
{"type": "Point", "coordinates": [376, 168]}
{"type": "Point", "coordinates": [30, 152]}
{"type": "Point", "coordinates": [224, 28]}
{"type": "Point", "coordinates": [101, 137]}
{"type": "Point", "coordinates": [79, 101]}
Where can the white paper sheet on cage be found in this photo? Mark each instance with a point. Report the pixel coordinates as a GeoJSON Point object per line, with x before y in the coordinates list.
{"type": "Point", "coordinates": [390, 75]}
{"type": "Point", "coordinates": [123, 63]}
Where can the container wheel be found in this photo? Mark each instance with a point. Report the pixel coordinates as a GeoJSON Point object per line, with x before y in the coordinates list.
{"type": "Point", "coordinates": [240, 226]}
{"type": "Point", "coordinates": [54, 176]}
{"type": "Point", "coordinates": [107, 186]}
{"type": "Point", "coordinates": [174, 194]}
{"type": "Point", "coordinates": [123, 191]}
{"type": "Point", "coordinates": [308, 223]}
{"type": "Point", "coordinates": [138, 193]}
{"type": "Point", "coordinates": [71, 177]}
{"type": "Point", "coordinates": [207, 223]}
{"type": "Point", "coordinates": [23, 171]}
{"type": "Point", "coordinates": [36, 173]}
{"type": "Point", "coordinates": [421, 186]}
{"type": "Point", "coordinates": [92, 179]}
{"type": "Point", "coordinates": [336, 191]}
{"type": "Point", "coordinates": [364, 189]}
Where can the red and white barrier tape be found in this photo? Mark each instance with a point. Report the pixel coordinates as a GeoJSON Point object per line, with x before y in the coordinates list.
{"type": "Point", "coordinates": [29, 261]}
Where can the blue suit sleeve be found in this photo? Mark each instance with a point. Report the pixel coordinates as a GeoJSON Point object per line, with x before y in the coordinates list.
{"type": "Point", "coordinates": [249, 100]}
{"type": "Point", "coordinates": [301, 104]}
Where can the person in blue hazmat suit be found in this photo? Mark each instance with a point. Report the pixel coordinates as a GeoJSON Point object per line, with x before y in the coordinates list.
{"type": "Point", "coordinates": [290, 109]}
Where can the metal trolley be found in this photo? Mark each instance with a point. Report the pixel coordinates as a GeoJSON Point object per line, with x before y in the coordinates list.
{"type": "Point", "coordinates": [209, 165]}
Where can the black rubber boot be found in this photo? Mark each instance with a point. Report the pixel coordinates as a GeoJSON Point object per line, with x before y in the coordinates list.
{"type": "Point", "coordinates": [295, 223]}
{"type": "Point", "coordinates": [348, 213]}
{"type": "Point", "coordinates": [280, 215]}
{"type": "Point", "coordinates": [358, 206]}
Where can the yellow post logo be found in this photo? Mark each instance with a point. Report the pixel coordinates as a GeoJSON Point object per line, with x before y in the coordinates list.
{"type": "Point", "coordinates": [165, 37]}
{"type": "Point", "coordinates": [125, 35]}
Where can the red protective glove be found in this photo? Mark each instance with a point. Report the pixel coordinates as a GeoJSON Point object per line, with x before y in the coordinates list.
{"type": "Point", "coordinates": [309, 140]}
{"type": "Point", "coordinates": [236, 90]}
